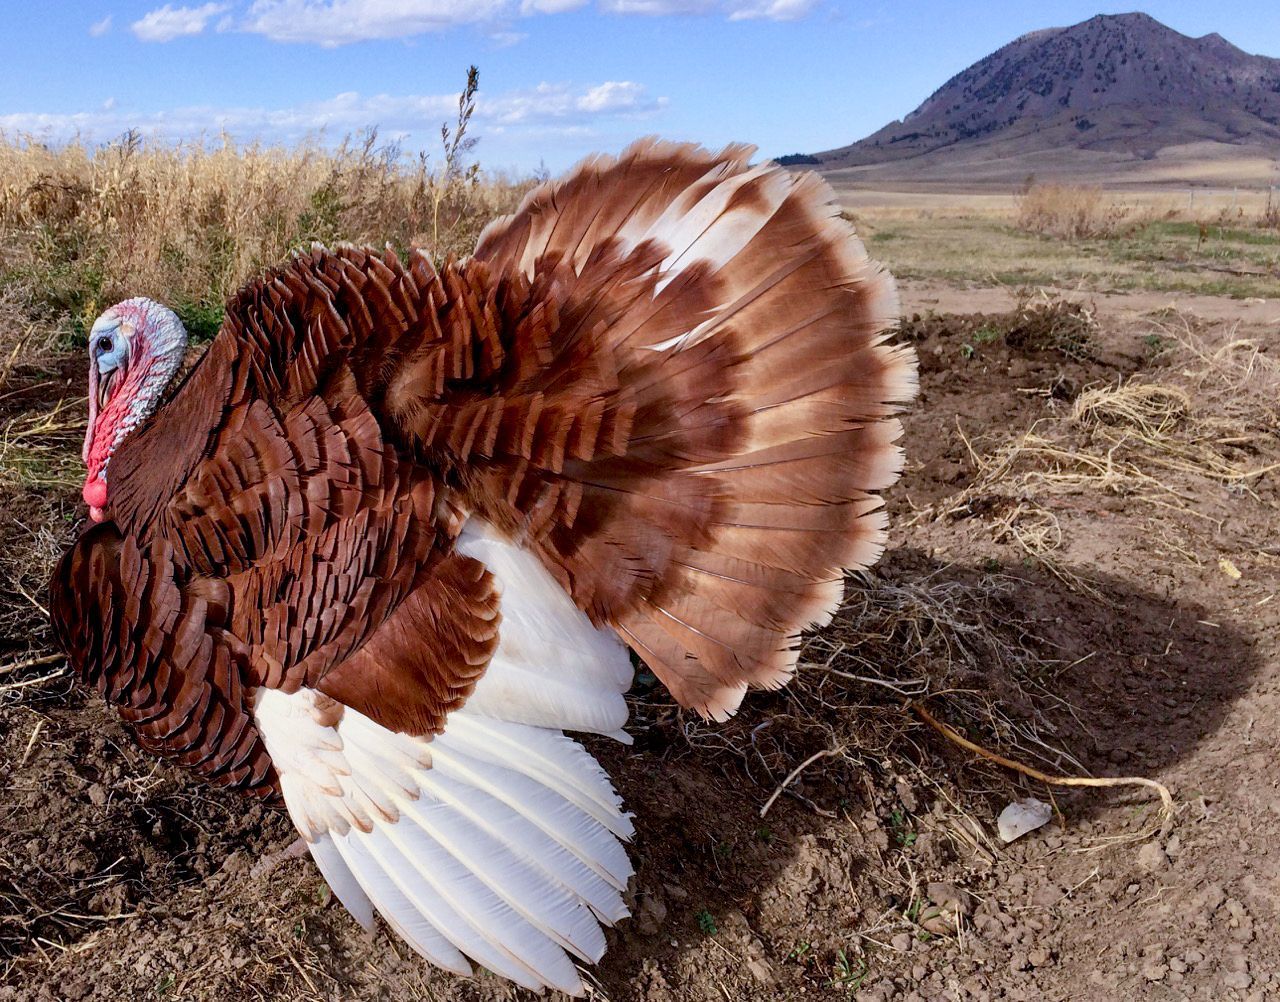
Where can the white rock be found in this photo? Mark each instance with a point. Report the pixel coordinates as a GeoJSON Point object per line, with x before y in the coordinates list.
{"type": "Point", "coordinates": [1023, 816]}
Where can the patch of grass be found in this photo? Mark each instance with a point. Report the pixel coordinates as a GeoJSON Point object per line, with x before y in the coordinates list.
{"type": "Point", "coordinates": [1155, 344]}
{"type": "Point", "coordinates": [849, 972]}
{"type": "Point", "coordinates": [903, 833]}
{"type": "Point", "coordinates": [1161, 256]}
{"type": "Point", "coordinates": [38, 450]}
{"type": "Point", "coordinates": [201, 320]}
{"type": "Point", "coordinates": [707, 923]}
{"type": "Point", "coordinates": [1039, 322]}
{"type": "Point", "coordinates": [164, 985]}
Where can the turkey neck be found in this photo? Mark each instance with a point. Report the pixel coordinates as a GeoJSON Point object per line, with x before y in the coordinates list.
{"type": "Point", "coordinates": [152, 463]}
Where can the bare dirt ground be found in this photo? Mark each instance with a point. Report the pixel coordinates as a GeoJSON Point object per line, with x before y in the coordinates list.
{"type": "Point", "coordinates": [1084, 583]}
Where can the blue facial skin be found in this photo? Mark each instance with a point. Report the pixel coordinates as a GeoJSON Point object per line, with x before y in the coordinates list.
{"type": "Point", "coordinates": [110, 349]}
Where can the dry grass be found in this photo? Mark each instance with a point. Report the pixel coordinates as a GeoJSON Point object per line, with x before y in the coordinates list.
{"type": "Point", "coordinates": [1072, 212]}
{"type": "Point", "coordinates": [37, 450]}
{"type": "Point", "coordinates": [1212, 246]}
{"type": "Point", "coordinates": [1211, 420]}
{"type": "Point", "coordinates": [1151, 408]}
{"type": "Point", "coordinates": [958, 641]}
{"type": "Point", "coordinates": [188, 224]}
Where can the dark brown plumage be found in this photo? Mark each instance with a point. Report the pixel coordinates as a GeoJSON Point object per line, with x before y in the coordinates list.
{"type": "Point", "coordinates": [661, 386]}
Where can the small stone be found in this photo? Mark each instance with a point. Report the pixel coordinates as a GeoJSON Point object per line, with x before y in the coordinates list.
{"type": "Point", "coordinates": [653, 913]}
{"type": "Point", "coordinates": [901, 942]}
{"type": "Point", "coordinates": [1151, 858]}
{"type": "Point", "coordinates": [760, 970]}
{"type": "Point", "coordinates": [948, 895]}
{"type": "Point", "coordinates": [1237, 979]}
{"type": "Point", "coordinates": [1022, 816]}
{"type": "Point", "coordinates": [1213, 896]}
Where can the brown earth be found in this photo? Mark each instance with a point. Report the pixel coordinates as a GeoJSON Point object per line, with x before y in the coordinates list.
{"type": "Point", "coordinates": [1107, 625]}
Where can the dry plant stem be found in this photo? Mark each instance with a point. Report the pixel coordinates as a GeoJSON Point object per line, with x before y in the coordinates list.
{"type": "Point", "coordinates": [825, 753]}
{"type": "Point", "coordinates": [27, 683]}
{"type": "Point", "coordinates": [1166, 798]}
{"type": "Point", "coordinates": [47, 659]}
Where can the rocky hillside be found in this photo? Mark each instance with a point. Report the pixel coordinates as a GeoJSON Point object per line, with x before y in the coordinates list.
{"type": "Point", "coordinates": [1120, 85]}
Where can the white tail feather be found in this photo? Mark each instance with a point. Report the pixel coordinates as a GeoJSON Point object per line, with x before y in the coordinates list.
{"type": "Point", "coordinates": [498, 840]}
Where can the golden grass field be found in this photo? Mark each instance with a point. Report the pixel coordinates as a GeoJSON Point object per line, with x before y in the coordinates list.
{"type": "Point", "coordinates": [1211, 241]}
{"type": "Point", "coordinates": [1080, 580]}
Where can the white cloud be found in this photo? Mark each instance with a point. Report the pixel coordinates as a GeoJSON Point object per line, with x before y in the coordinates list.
{"type": "Point", "coordinates": [772, 10]}
{"type": "Point", "coordinates": [332, 23]}
{"type": "Point", "coordinates": [337, 22]}
{"type": "Point", "coordinates": [547, 109]}
{"type": "Point", "coordinates": [550, 6]}
{"type": "Point", "coordinates": [560, 103]}
{"type": "Point", "coordinates": [612, 95]}
{"type": "Point", "coordinates": [735, 10]}
{"type": "Point", "coordinates": [168, 22]}
{"type": "Point", "coordinates": [657, 8]}
{"type": "Point", "coordinates": [505, 38]}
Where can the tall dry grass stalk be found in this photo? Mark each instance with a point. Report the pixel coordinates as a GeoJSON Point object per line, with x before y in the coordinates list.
{"type": "Point", "coordinates": [84, 226]}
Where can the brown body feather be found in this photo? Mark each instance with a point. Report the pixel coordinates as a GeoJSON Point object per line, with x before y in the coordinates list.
{"type": "Point", "coordinates": [665, 376]}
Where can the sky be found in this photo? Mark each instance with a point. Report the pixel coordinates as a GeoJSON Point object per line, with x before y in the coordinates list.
{"type": "Point", "coordinates": [558, 78]}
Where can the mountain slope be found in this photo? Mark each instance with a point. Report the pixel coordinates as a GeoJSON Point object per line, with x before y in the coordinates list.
{"type": "Point", "coordinates": [1111, 89]}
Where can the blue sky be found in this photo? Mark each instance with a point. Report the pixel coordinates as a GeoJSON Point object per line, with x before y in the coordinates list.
{"type": "Point", "coordinates": [559, 78]}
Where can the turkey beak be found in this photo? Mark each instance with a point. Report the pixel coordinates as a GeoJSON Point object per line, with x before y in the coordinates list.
{"type": "Point", "coordinates": [104, 386]}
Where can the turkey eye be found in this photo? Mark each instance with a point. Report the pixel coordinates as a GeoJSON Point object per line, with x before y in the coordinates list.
{"type": "Point", "coordinates": [104, 344]}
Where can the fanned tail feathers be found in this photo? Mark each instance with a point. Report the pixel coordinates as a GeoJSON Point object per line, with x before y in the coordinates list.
{"type": "Point", "coordinates": [763, 425]}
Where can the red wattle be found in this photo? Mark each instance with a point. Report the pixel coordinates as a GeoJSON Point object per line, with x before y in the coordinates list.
{"type": "Point", "coordinates": [95, 493]}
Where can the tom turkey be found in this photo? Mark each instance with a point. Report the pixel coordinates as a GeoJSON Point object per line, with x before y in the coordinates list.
{"type": "Point", "coordinates": [395, 532]}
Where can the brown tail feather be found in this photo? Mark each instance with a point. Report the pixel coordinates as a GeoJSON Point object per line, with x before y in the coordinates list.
{"type": "Point", "coordinates": [745, 326]}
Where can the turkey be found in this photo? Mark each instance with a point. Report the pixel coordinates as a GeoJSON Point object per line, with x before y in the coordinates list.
{"type": "Point", "coordinates": [398, 529]}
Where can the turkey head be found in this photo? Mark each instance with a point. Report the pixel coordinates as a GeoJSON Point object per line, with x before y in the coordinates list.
{"type": "Point", "coordinates": [135, 348]}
